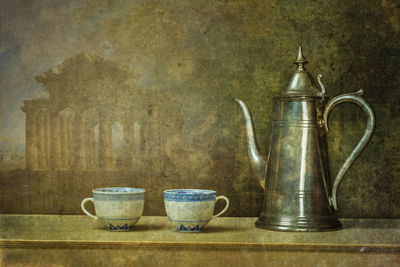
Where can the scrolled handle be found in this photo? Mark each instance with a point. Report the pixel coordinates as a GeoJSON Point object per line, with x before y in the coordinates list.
{"type": "Point", "coordinates": [85, 211]}
{"type": "Point", "coordinates": [226, 206]}
{"type": "Point", "coordinates": [356, 99]}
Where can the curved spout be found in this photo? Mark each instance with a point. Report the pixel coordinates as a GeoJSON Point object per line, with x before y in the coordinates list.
{"type": "Point", "coordinates": [257, 161]}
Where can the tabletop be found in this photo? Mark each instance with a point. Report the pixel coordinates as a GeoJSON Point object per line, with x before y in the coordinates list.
{"type": "Point", "coordinates": [68, 231]}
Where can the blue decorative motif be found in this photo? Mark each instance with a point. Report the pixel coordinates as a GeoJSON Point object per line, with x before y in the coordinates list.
{"type": "Point", "coordinates": [117, 227]}
{"type": "Point", "coordinates": [189, 195]}
{"type": "Point", "coordinates": [118, 193]}
{"type": "Point", "coordinates": [119, 190]}
{"type": "Point", "coordinates": [189, 229]}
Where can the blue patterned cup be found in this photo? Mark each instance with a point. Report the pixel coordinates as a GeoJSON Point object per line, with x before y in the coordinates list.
{"type": "Point", "coordinates": [190, 210]}
{"type": "Point", "coordinates": [118, 208]}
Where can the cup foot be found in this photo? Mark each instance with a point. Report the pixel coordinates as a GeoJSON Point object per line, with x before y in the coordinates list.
{"type": "Point", "coordinates": [119, 224]}
{"type": "Point", "coordinates": [189, 228]}
{"type": "Point", "coordinates": [120, 228]}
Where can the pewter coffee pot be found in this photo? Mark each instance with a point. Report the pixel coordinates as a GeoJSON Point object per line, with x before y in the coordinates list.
{"type": "Point", "coordinates": [297, 188]}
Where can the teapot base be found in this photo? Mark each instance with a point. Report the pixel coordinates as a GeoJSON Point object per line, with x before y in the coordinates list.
{"type": "Point", "coordinates": [319, 224]}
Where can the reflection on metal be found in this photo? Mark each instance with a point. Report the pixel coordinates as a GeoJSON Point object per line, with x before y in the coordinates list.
{"type": "Point", "coordinates": [297, 184]}
{"type": "Point", "coordinates": [257, 162]}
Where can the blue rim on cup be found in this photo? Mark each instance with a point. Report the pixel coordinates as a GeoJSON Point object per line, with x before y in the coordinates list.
{"type": "Point", "coordinates": [122, 193]}
{"type": "Point", "coordinates": [189, 210]}
{"type": "Point", "coordinates": [118, 208]}
{"type": "Point", "coordinates": [191, 195]}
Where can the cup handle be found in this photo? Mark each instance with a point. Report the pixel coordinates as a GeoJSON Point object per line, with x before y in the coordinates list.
{"type": "Point", "coordinates": [85, 211]}
{"type": "Point", "coordinates": [226, 206]}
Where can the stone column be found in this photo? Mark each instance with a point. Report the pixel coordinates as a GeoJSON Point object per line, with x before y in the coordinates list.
{"type": "Point", "coordinates": [47, 137]}
{"type": "Point", "coordinates": [64, 141]}
{"type": "Point", "coordinates": [80, 143]}
{"type": "Point", "coordinates": [140, 137]}
{"type": "Point", "coordinates": [152, 144]}
{"type": "Point", "coordinates": [30, 138]}
{"type": "Point", "coordinates": [156, 151]}
{"type": "Point", "coordinates": [56, 141]}
{"type": "Point", "coordinates": [128, 148]}
{"type": "Point", "coordinates": [105, 145]}
{"type": "Point", "coordinates": [41, 139]}
{"type": "Point", "coordinates": [70, 141]}
{"type": "Point", "coordinates": [90, 145]}
{"type": "Point", "coordinates": [96, 151]}
{"type": "Point", "coordinates": [138, 144]}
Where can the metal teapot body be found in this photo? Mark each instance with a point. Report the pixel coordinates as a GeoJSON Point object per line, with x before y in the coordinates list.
{"type": "Point", "coordinates": [297, 194]}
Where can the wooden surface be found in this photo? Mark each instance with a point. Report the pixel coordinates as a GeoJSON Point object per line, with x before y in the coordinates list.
{"type": "Point", "coordinates": [74, 240]}
{"type": "Point", "coordinates": [229, 232]}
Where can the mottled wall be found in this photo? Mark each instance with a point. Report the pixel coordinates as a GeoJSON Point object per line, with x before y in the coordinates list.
{"type": "Point", "coordinates": [192, 57]}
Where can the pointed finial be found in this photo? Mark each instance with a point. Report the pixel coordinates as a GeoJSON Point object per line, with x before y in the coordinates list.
{"type": "Point", "coordinates": [300, 60]}
{"type": "Point", "coordinates": [302, 83]}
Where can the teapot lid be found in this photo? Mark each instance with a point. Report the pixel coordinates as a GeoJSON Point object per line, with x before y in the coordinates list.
{"type": "Point", "coordinates": [302, 83]}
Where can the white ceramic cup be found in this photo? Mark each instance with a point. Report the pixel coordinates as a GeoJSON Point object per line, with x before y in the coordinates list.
{"type": "Point", "coordinates": [189, 210]}
{"type": "Point", "coordinates": [118, 208]}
